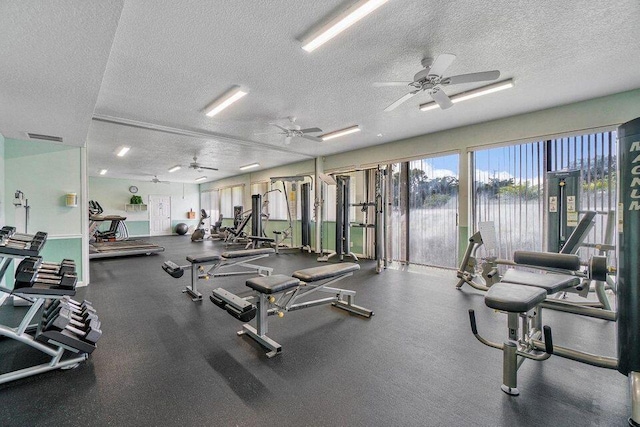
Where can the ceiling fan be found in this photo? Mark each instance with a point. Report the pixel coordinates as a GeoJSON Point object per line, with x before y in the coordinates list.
{"type": "Point", "coordinates": [197, 166]}
{"type": "Point", "coordinates": [431, 80]}
{"type": "Point", "coordinates": [294, 131]}
{"type": "Point", "coordinates": [155, 180]}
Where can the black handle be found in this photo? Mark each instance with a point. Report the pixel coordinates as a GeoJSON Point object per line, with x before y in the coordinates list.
{"type": "Point", "coordinates": [548, 340]}
{"type": "Point", "coordinates": [472, 319]}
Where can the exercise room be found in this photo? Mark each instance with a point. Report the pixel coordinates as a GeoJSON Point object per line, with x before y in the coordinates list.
{"type": "Point", "coordinates": [319, 213]}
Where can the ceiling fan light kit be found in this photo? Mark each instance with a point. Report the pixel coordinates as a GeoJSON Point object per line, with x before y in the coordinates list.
{"type": "Point", "coordinates": [250, 166]}
{"type": "Point", "coordinates": [464, 96]}
{"type": "Point", "coordinates": [341, 132]}
{"type": "Point", "coordinates": [344, 20]}
{"type": "Point", "coordinates": [432, 81]}
{"type": "Point", "coordinates": [222, 102]}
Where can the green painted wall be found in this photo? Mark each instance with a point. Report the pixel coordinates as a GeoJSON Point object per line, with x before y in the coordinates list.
{"type": "Point", "coordinates": [58, 249]}
{"type": "Point", "coordinates": [46, 172]}
{"type": "Point", "coordinates": [113, 194]}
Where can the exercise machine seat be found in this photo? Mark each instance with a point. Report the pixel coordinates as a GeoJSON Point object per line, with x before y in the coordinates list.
{"type": "Point", "coordinates": [551, 283]}
{"type": "Point", "coordinates": [272, 284]}
{"type": "Point", "coordinates": [202, 258]}
{"type": "Point", "coordinates": [247, 252]}
{"type": "Point", "coordinates": [514, 298]}
{"type": "Point", "coordinates": [325, 272]}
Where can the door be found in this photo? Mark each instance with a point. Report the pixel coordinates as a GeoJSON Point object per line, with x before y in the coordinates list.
{"type": "Point", "coordinates": [159, 215]}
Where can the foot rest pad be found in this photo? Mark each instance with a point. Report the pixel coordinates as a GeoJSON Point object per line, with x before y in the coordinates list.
{"type": "Point", "coordinates": [237, 307]}
{"type": "Point", "coordinates": [173, 269]}
{"type": "Point", "coordinates": [272, 284]}
{"type": "Point", "coordinates": [514, 298]}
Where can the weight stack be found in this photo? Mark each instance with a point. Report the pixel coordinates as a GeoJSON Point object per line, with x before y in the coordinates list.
{"type": "Point", "coordinates": [628, 288]}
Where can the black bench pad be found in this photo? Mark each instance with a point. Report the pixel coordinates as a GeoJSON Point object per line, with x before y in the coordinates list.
{"type": "Point", "coordinates": [272, 284]}
{"type": "Point", "coordinates": [325, 272]}
{"type": "Point", "coordinates": [201, 258]}
{"type": "Point", "coordinates": [551, 283]}
{"type": "Point", "coordinates": [247, 252]}
{"type": "Point", "coordinates": [514, 298]}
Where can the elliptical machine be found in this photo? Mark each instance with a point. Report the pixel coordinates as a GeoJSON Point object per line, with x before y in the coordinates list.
{"type": "Point", "coordinates": [199, 232]}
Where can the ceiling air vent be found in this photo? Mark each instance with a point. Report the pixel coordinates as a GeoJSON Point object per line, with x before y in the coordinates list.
{"type": "Point", "coordinates": [45, 137]}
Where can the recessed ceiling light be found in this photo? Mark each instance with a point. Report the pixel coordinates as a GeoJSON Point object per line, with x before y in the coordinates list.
{"type": "Point", "coordinates": [379, 135]}
{"type": "Point", "coordinates": [251, 166]}
{"type": "Point", "coordinates": [485, 90]}
{"type": "Point", "coordinates": [350, 16]}
{"type": "Point", "coordinates": [175, 168]}
{"type": "Point", "coordinates": [229, 97]}
{"type": "Point", "coordinates": [341, 132]}
{"type": "Point", "coordinates": [123, 150]}
{"type": "Point", "coordinates": [103, 171]}
{"type": "Point", "coordinates": [202, 178]}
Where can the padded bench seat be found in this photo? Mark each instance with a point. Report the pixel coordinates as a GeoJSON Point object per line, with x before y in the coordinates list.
{"type": "Point", "coordinates": [202, 258]}
{"type": "Point", "coordinates": [260, 239]}
{"type": "Point", "coordinates": [325, 272]}
{"type": "Point", "coordinates": [247, 252]}
{"type": "Point", "coordinates": [551, 283]}
{"type": "Point", "coordinates": [514, 298]}
{"type": "Point", "coordinates": [272, 284]}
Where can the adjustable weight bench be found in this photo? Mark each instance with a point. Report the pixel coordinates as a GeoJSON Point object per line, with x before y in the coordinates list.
{"type": "Point", "coordinates": [522, 296]}
{"type": "Point", "coordinates": [217, 262]}
{"type": "Point", "coordinates": [290, 291]}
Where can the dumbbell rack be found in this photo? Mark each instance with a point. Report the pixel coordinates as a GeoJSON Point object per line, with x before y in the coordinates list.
{"type": "Point", "coordinates": [43, 285]}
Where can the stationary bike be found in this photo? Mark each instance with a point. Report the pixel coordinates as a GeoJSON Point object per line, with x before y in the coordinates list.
{"type": "Point", "coordinates": [199, 233]}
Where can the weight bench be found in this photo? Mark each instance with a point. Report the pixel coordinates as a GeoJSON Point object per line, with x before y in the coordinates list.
{"type": "Point", "coordinates": [290, 291]}
{"type": "Point", "coordinates": [256, 242]}
{"type": "Point", "coordinates": [217, 262]}
{"type": "Point", "coordinates": [522, 296]}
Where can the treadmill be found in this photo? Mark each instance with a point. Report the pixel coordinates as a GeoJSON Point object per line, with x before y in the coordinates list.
{"type": "Point", "coordinates": [115, 241]}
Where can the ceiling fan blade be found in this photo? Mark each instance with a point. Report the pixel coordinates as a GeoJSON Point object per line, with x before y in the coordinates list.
{"type": "Point", "coordinates": [279, 127]}
{"type": "Point", "coordinates": [472, 77]}
{"type": "Point", "coordinates": [312, 138]}
{"type": "Point", "coordinates": [400, 101]}
{"type": "Point", "coordinates": [310, 130]}
{"type": "Point", "coordinates": [442, 99]}
{"type": "Point", "coordinates": [267, 133]}
{"type": "Point", "coordinates": [440, 65]}
{"type": "Point", "coordinates": [208, 168]}
{"type": "Point", "coordinates": [387, 84]}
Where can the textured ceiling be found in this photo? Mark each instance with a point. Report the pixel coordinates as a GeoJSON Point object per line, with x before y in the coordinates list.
{"type": "Point", "coordinates": [170, 59]}
{"type": "Point", "coordinates": [52, 58]}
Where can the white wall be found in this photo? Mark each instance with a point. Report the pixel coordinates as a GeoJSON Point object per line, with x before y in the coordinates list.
{"type": "Point", "coordinates": [113, 194]}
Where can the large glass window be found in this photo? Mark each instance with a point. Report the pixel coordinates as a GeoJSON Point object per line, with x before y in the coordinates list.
{"type": "Point", "coordinates": [433, 211]}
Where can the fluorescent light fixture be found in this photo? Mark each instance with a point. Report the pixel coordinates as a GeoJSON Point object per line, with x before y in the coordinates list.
{"type": "Point", "coordinates": [103, 171]}
{"type": "Point", "coordinates": [485, 90]}
{"type": "Point", "coordinates": [341, 132]}
{"type": "Point", "coordinates": [251, 166]}
{"type": "Point", "coordinates": [202, 178]}
{"type": "Point", "coordinates": [123, 150]}
{"type": "Point", "coordinates": [225, 100]}
{"type": "Point", "coordinates": [350, 16]}
{"type": "Point", "coordinates": [175, 168]}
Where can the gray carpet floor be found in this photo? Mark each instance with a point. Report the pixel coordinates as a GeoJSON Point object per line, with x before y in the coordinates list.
{"type": "Point", "coordinates": [164, 360]}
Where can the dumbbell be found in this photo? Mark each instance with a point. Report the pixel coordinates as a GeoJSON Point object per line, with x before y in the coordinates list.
{"type": "Point", "coordinates": [62, 322]}
{"type": "Point", "coordinates": [65, 266]}
{"type": "Point", "coordinates": [84, 311]}
{"type": "Point", "coordinates": [78, 316]}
